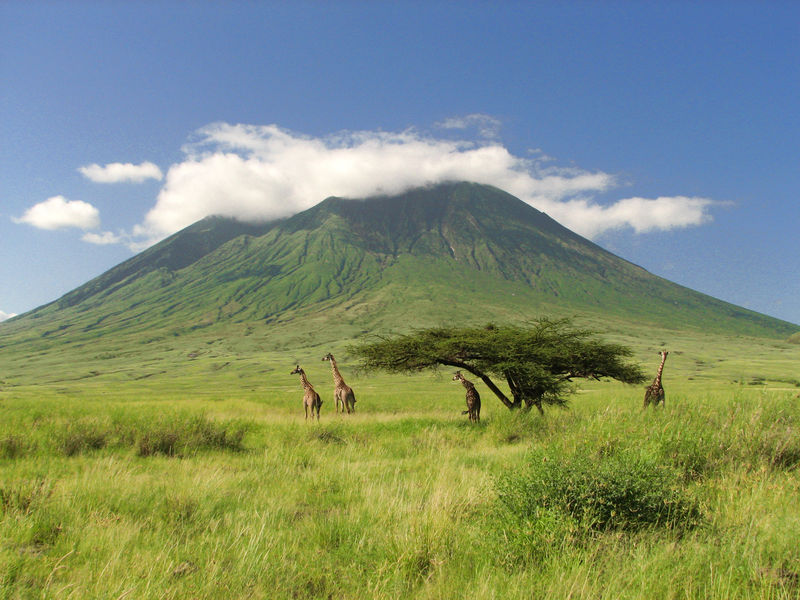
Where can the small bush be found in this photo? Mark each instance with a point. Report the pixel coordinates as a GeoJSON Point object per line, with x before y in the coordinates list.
{"type": "Point", "coordinates": [159, 441]}
{"type": "Point", "coordinates": [781, 448]}
{"type": "Point", "coordinates": [183, 435]}
{"type": "Point", "coordinates": [622, 491]}
{"type": "Point", "coordinates": [24, 496]}
{"type": "Point", "coordinates": [327, 435]}
{"type": "Point", "coordinates": [82, 436]}
{"type": "Point", "coordinates": [13, 446]}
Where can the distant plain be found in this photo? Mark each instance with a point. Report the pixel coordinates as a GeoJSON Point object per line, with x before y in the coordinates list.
{"type": "Point", "coordinates": [192, 474]}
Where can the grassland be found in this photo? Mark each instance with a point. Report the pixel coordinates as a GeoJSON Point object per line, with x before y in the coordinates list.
{"type": "Point", "coordinates": [133, 483]}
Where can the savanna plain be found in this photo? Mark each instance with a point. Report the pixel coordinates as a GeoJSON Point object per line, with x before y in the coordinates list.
{"type": "Point", "coordinates": [206, 482]}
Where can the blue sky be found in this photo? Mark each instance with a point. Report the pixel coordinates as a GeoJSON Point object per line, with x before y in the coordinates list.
{"type": "Point", "coordinates": [667, 132]}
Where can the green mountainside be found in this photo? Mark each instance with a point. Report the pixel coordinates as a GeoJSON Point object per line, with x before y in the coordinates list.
{"type": "Point", "coordinates": [456, 252]}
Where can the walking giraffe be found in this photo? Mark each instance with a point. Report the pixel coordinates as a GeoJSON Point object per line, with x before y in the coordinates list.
{"type": "Point", "coordinates": [342, 393]}
{"type": "Point", "coordinates": [473, 398]}
{"type": "Point", "coordinates": [311, 400]}
{"type": "Point", "coordinates": [654, 394]}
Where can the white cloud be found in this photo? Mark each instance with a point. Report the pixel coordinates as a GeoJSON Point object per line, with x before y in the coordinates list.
{"type": "Point", "coordinates": [102, 239]}
{"type": "Point", "coordinates": [121, 172]}
{"type": "Point", "coordinates": [486, 125]}
{"type": "Point", "coordinates": [59, 213]}
{"type": "Point", "coordinates": [257, 173]}
{"type": "Point", "coordinates": [641, 214]}
{"type": "Point", "coordinates": [5, 315]}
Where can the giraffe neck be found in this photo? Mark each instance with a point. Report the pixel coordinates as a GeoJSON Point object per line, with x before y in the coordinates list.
{"type": "Point", "coordinates": [304, 381]}
{"type": "Point", "coordinates": [465, 383]}
{"type": "Point", "coordinates": [337, 377]}
{"type": "Point", "coordinates": [657, 380]}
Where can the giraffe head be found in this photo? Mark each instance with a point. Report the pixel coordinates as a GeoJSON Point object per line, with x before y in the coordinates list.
{"type": "Point", "coordinates": [457, 376]}
{"type": "Point", "coordinates": [328, 356]}
{"type": "Point", "coordinates": [663, 354]}
{"type": "Point", "coordinates": [297, 370]}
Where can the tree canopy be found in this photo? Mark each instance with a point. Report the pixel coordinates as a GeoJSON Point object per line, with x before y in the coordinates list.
{"type": "Point", "coordinates": [538, 361]}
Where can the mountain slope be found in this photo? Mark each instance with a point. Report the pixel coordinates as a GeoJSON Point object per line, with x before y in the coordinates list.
{"type": "Point", "coordinates": [453, 252]}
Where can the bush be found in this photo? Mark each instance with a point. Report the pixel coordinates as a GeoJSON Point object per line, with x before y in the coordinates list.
{"type": "Point", "coordinates": [13, 446]}
{"type": "Point", "coordinates": [780, 447]}
{"type": "Point", "coordinates": [621, 491]}
{"type": "Point", "coordinates": [182, 435]}
{"type": "Point", "coordinates": [82, 436]}
{"type": "Point", "coordinates": [24, 496]}
{"type": "Point", "coordinates": [171, 436]}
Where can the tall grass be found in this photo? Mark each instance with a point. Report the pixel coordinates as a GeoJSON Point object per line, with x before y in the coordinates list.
{"type": "Point", "coordinates": [175, 434]}
{"type": "Point", "coordinates": [232, 495]}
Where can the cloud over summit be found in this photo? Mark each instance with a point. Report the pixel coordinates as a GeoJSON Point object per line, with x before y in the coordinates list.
{"type": "Point", "coordinates": [262, 172]}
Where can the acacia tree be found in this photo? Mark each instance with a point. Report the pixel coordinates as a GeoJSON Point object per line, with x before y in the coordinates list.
{"type": "Point", "coordinates": [538, 361]}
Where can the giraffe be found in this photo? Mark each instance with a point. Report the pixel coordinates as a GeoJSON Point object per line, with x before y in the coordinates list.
{"type": "Point", "coordinates": [654, 393]}
{"type": "Point", "coordinates": [342, 393]}
{"type": "Point", "coordinates": [473, 398]}
{"type": "Point", "coordinates": [311, 400]}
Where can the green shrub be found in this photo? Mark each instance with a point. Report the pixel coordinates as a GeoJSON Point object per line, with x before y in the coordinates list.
{"type": "Point", "coordinates": [24, 496]}
{"type": "Point", "coordinates": [780, 447]}
{"type": "Point", "coordinates": [82, 436]}
{"type": "Point", "coordinates": [162, 440]}
{"type": "Point", "coordinates": [13, 446]}
{"type": "Point", "coordinates": [621, 491]}
{"type": "Point", "coordinates": [328, 435]}
{"type": "Point", "coordinates": [182, 435]}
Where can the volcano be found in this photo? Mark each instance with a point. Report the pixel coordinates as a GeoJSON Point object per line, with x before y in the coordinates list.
{"type": "Point", "coordinates": [449, 253]}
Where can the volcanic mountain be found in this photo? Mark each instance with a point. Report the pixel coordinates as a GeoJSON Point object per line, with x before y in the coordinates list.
{"type": "Point", "coordinates": [450, 253]}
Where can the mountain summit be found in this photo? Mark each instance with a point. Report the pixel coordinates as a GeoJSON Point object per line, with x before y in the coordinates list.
{"type": "Point", "coordinates": [457, 252]}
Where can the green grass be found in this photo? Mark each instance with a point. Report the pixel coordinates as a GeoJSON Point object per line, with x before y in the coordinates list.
{"type": "Point", "coordinates": [210, 485]}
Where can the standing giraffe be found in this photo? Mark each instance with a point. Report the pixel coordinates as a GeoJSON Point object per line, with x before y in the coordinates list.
{"type": "Point", "coordinates": [342, 393]}
{"type": "Point", "coordinates": [311, 400]}
{"type": "Point", "coordinates": [473, 398]}
{"type": "Point", "coordinates": [654, 393]}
